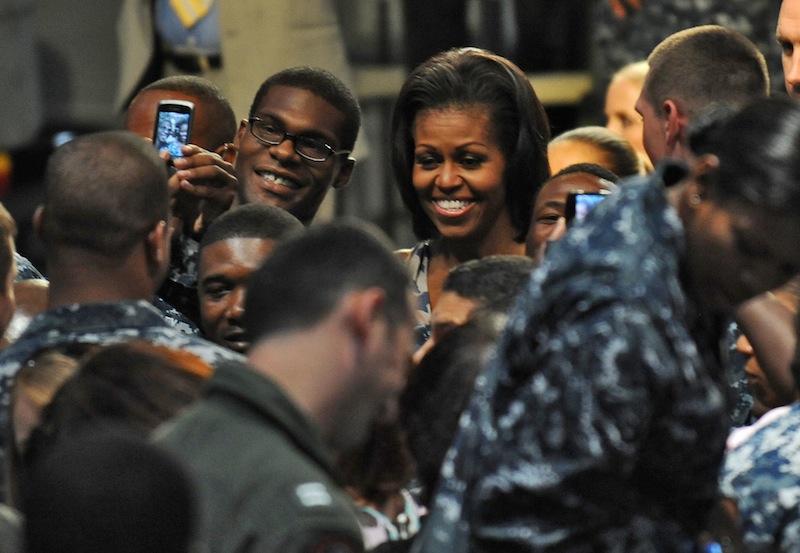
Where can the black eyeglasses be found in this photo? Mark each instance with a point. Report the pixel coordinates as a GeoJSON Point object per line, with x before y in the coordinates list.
{"type": "Point", "coordinates": [307, 147]}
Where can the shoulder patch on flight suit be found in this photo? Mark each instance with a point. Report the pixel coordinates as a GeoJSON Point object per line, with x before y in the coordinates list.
{"type": "Point", "coordinates": [313, 494]}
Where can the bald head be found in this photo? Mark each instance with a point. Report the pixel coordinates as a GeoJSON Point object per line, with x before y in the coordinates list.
{"type": "Point", "coordinates": [104, 192]}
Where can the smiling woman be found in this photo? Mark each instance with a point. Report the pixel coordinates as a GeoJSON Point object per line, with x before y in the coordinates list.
{"type": "Point", "coordinates": [469, 154]}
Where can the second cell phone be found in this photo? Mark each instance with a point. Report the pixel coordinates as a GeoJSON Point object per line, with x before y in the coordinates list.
{"type": "Point", "coordinates": [580, 203]}
{"type": "Point", "coordinates": [173, 126]}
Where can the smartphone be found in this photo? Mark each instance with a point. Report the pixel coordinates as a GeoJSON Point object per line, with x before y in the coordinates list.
{"type": "Point", "coordinates": [580, 203]}
{"type": "Point", "coordinates": [173, 126]}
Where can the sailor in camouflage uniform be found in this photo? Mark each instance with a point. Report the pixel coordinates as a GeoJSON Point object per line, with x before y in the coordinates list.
{"type": "Point", "coordinates": [106, 235]}
{"type": "Point", "coordinates": [601, 422]}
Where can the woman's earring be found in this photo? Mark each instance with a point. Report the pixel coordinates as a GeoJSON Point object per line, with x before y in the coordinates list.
{"type": "Point", "coordinates": [695, 199]}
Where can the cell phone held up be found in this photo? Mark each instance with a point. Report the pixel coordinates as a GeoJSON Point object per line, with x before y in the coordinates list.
{"type": "Point", "coordinates": [580, 203]}
{"type": "Point", "coordinates": [173, 127]}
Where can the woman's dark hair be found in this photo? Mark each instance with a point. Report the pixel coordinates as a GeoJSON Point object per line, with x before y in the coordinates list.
{"type": "Point", "coordinates": [620, 157]}
{"type": "Point", "coordinates": [136, 385]}
{"type": "Point", "coordinates": [463, 78]}
{"type": "Point", "coordinates": [758, 150]}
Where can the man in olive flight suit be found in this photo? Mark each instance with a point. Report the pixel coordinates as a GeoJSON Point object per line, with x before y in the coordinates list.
{"type": "Point", "coordinates": [330, 319]}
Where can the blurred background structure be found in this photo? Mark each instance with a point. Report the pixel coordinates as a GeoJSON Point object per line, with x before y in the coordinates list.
{"type": "Point", "coordinates": [70, 66]}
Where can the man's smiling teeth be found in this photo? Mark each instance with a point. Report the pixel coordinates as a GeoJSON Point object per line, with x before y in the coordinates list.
{"type": "Point", "coordinates": [453, 205]}
{"type": "Point", "coordinates": [278, 180]}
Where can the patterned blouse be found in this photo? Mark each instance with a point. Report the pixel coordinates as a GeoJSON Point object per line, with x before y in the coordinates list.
{"type": "Point", "coordinates": [418, 262]}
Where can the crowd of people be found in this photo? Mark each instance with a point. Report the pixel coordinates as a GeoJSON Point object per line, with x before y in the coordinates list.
{"type": "Point", "coordinates": [202, 367]}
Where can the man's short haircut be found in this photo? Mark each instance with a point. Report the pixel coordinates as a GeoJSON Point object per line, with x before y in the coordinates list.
{"type": "Point", "coordinates": [104, 192]}
{"type": "Point", "coordinates": [324, 84]}
{"type": "Point", "coordinates": [252, 221]}
{"type": "Point", "coordinates": [209, 95]}
{"type": "Point", "coordinates": [619, 156]}
{"type": "Point", "coordinates": [308, 274]}
{"type": "Point", "coordinates": [8, 230]}
{"type": "Point", "coordinates": [494, 281]}
{"type": "Point", "coordinates": [705, 65]}
{"type": "Point", "coordinates": [590, 169]}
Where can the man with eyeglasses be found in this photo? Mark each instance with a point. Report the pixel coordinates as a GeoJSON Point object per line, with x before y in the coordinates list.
{"type": "Point", "coordinates": [296, 142]}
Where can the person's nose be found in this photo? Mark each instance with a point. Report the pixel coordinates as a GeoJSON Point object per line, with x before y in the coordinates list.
{"type": "Point", "coordinates": [743, 345]}
{"type": "Point", "coordinates": [449, 178]}
{"type": "Point", "coordinates": [792, 75]}
{"type": "Point", "coordinates": [235, 307]}
{"type": "Point", "coordinates": [285, 152]}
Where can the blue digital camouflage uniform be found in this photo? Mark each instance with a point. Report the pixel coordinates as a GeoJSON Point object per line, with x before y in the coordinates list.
{"type": "Point", "coordinates": [27, 271]}
{"type": "Point", "coordinates": [265, 478]}
{"type": "Point", "coordinates": [601, 422]}
{"type": "Point", "coordinates": [763, 476]}
{"type": "Point", "coordinates": [102, 324]}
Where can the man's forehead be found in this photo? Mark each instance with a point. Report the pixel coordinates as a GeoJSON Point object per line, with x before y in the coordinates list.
{"type": "Point", "coordinates": [301, 106]}
{"type": "Point", "coordinates": [789, 20]}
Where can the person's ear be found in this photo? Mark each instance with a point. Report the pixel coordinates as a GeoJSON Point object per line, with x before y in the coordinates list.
{"type": "Point", "coordinates": [362, 310]}
{"type": "Point", "coordinates": [38, 221]}
{"type": "Point", "coordinates": [240, 133]}
{"type": "Point", "coordinates": [675, 123]}
{"type": "Point", "coordinates": [157, 247]}
{"type": "Point", "coordinates": [345, 171]}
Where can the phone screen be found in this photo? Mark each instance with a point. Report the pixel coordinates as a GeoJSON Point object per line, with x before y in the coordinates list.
{"type": "Point", "coordinates": [173, 125]}
{"type": "Point", "coordinates": [579, 204]}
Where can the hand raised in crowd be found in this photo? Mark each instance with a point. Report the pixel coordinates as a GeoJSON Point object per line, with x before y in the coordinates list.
{"type": "Point", "coordinates": [203, 186]}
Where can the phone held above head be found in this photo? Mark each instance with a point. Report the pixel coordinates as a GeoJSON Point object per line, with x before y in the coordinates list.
{"type": "Point", "coordinates": [173, 126]}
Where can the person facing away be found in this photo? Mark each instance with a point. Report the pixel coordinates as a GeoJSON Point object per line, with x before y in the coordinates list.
{"type": "Point", "coordinates": [105, 228]}
{"type": "Point", "coordinates": [469, 152]}
{"type": "Point", "coordinates": [788, 36]}
{"type": "Point", "coordinates": [601, 422]}
{"type": "Point", "coordinates": [295, 144]}
{"type": "Point", "coordinates": [202, 181]}
{"type": "Point", "coordinates": [234, 247]}
{"type": "Point", "coordinates": [330, 319]}
{"type": "Point", "coordinates": [689, 72]}
{"type": "Point", "coordinates": [488, 284]}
